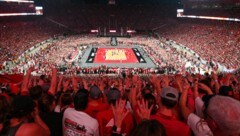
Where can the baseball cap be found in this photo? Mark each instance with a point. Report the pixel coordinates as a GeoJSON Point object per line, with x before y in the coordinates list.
{"type": "Point", "coordinates": [170, 93]}
{"type": "Point", "coordinates": [225, 112]}
{"type": "Point", "coordinates": [95, 92]}
{"type": "Point", "coordinates": [113, 94]}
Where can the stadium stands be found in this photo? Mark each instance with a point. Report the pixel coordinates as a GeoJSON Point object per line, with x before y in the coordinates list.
{"type": "Point", "coordinates": [45, 91]}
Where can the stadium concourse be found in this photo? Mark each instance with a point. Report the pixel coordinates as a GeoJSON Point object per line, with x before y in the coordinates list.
{"type": "Point", "coordinates": [172, 77]}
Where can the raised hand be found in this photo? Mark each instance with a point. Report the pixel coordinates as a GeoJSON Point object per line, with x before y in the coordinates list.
{"type": "Point", "coordinates": [178, 80]}
{"type": "Point", "coordinates": [119, 112]}
{"type": "Point", "coordinates": [75, 84]}
{"type": "Point", "coordinates": [85, 84]}
{"type": "Point", "coordinates": [143, 111]}
{"type": "Point", "coordinates": [65, 85]}
{"type": "Point", "coordinates": [31, 69]}
{"type": "Point", "coordinates": [101, 85]}
{"type": "Point", "coordinates": [165, 81]}
{"type": "Point", "coordinates": [185, 85]}
{"type": "Point", "coordinates": [205, 87]}
{"type": "Point", "coordinates": [195, 88]}
{"type": "Point", "coordinates": [214, 76]}
{"type": "Point", "coordinates": [135, 79]}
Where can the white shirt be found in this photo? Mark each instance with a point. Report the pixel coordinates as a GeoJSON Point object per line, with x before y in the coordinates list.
{"type": "Point", "coordinates": [198, 128]}
{"type": "Point", "coordinates": [78, 123]}
{"type": "Point", "coordinates": [199, 107]}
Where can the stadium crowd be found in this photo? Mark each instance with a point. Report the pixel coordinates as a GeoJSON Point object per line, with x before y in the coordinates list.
{"type": "Point", "coordinates": [127, 103]}
{"type": "Point", "coordinates": [162, 105]}
{"type": "Point", "coordinates": [216, 41]}
{"type": "Point", "coordinates": [67, 52]}
{"type": "Point", "coordinates": [18, 37]}
{"type": "Point", "coordinates": [164, 55]}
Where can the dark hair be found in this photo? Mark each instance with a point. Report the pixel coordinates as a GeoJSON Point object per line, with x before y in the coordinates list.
{"type": "Point", "coordinates": [206, 99]}
{"type": "Point", "coordinates": [112, 102]}
{"type": "Point", "coordinates": [81, 100]}
{"type": "Point", "coordinates": [206, 82]}
{"type": "Point", "coordinates": [45, 103]}
{"type": "Point", "coordinates": [151, 101]}
{"type": "Point", "coordinates": [225, 90]}
{"type": "Point", "coordinates": [21, 106]}
{"type": "Point", "coordinates": [149, 88]}
{"type": "Point", "coordinates": [42, 77]}
{"type": "Point", "coordinates": [169, 104]}
{"type": "Point", "coordinates": [149, 128]}
{"type": "Point", "coordinates": [4, 109]}
{"type": "Point", "coordinates": [66, 99]}
{"type": "Point", "coordinates": [35, 92]}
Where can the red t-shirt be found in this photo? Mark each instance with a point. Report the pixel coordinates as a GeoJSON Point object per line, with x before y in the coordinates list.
{"type": "Point", "coordinates": [105, 125]}
{"type": "Point", "coordinates": [172, 125]}
{"type": "Point", "coordinates": [94, 108]}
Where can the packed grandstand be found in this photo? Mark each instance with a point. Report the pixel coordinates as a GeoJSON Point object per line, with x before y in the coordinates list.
{"type": "Point", "coordinates": [98, 69]}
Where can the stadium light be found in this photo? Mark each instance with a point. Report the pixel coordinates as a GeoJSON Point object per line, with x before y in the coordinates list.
{"type": "Point", "coordinates": [19, 1]}
{"type": "Point", "coordinates": [112, 31]}
{"type": "Point", "coordinates": [211, 18]}
{"type": "Point", "coordinates": [94, 31]}
{"type": "Point", "coordinates": [18, 14]}
{"type": "Point", "coordinates": [131, 31]}
{"type": "Point", "coordinates": [38, 8]}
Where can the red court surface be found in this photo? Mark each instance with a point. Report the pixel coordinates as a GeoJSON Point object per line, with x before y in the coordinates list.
{"type": "Point", "coordinates": [115, 55]}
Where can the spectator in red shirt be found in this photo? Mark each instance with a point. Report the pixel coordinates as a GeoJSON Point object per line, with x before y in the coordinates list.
{"type": "Point", "coordinates": [96, 103]}
{"type": "Point", "coordinates": [106, 120]}
{"type": "Point", "coordinates": [149, 127]}
{"type": "Point", "coordinates": [165, 115]}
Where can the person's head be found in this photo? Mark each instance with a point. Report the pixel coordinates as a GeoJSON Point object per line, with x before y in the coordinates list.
{"type": "Point", "coordinates": [36, 92]}
{"type": "Point", "coordinates": [21, 106]}
{"type": "Point", "coordinates": [46, 103]}
{"type": "Point", "coordinates": [222, 114]}
{"type": "Point", "coordinates": [4, 109]}
{"type": "Point", "coordinates": [42, 80]}
{"type": "Point", "coordinates": [66, 99]}
{"type": "Point", "coordinates": [149, 128]}
{"type": "Point", "coordinates": [226, 91]}
{"type": "Point", "coordinates": [148, 89]}
{"type": "Point", "coordinates": [169, 97]}
{"type": "Point", "coordinates": [206, 82]}
{"type": "Point", "coordinates": [95, 92]}
{"type": "Point", "coordinates": [113, 95]}
{"type": "Point", "coordinates": [151, 101]}
{"type": "Point", "coordinates": [81, 100]}
{"type": "Point", "coordinates": [43, 77]}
